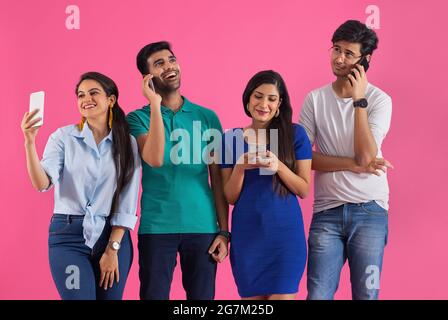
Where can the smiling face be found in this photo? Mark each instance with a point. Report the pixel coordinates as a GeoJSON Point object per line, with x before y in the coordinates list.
{"type": "Point", "coordinates": [165, 69]}
{"type": "Point", "coordinates": [264, 103]}
{"type": "Point", "coordinates": [92, 100]}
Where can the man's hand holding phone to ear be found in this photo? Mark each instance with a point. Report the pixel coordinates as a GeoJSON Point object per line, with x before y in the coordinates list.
{"type": "Point", "coordinates": [152, 144]}
{"type": "Point", "coordinates": [358, 80]}
{"type": "Point", "coordinates": [149, 92]}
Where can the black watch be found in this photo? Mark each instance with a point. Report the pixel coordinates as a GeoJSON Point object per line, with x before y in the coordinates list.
{"type": "Point", "coordinates": [225, 234]}
{"type": "Point", "coordinates": [361, 103]}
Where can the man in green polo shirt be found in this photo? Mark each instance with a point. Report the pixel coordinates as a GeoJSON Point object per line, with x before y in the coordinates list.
{"type": "Point", "coordinates": [180, 211]}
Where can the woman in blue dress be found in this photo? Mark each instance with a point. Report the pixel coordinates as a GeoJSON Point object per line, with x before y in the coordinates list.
{"type": "Point", "coordinates": [265, 166]}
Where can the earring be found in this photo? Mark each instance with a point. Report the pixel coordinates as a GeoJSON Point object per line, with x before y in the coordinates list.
{"type": "Point", "coordinates": [247, 107]}
{"type": "Point", "coordinates": [81, 123]}
{"type": "Point", "coordinates": [277, 113]}
{"type": "Point", "coordinates": [110, 117]}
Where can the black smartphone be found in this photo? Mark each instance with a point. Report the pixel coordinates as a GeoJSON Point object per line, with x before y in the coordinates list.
{"type": "Point", "coordinates": [363, 61]}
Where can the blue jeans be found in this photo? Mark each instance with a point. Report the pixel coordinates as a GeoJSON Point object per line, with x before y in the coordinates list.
{"type": "Point", "coordinates": [356, 232]}
{"type": "Point", "coordinates": [75, 267]}
{"type": "Point", "coordinates": [157, 260]}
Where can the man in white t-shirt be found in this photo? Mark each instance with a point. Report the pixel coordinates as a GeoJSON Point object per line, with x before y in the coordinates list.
{"type": "Point", "coordinates": [347, 122]}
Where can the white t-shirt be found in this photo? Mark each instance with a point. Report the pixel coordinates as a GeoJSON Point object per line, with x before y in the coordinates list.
{"type": "Point", "coordinates": [329, 122]}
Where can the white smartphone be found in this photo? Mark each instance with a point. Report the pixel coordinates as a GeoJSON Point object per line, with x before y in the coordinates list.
{"type": "Point", "coordinates": [37, 102]}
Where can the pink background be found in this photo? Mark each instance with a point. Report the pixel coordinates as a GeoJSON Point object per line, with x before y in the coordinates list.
{"type": "Point", "coordinates": [220, 45]}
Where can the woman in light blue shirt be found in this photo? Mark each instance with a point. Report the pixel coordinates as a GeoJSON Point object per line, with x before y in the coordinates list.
{"type": "Point", "coordinates": [94, 167]}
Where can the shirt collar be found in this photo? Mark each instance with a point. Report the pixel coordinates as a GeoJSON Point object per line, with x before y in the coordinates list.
{"type": "Point", "coordinates": [86, 133]}
{"type": "Point", "coordinates": [186, 107]}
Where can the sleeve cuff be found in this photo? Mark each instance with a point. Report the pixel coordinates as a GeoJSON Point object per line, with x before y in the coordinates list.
{"type": "Point", "coordinates": [123, 220]}
{"type": "Point", "coordinates": [52, 176]}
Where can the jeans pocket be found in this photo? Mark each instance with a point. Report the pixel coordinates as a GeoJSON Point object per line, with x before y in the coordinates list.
{"type": "Point", "coordinates": [373, 208]}
{"type": "Point", "coordinates": [63, 224]}
{"type": "Point", "coordinates": [58, 226]}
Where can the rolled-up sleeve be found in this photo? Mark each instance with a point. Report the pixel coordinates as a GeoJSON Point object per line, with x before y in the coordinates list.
{"type": "Point", "coordinates": [53, 158]}
{"type": "Point", "coordinates": [125, 216]}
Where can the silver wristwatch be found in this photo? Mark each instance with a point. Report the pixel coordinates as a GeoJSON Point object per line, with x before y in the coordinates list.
{"type": "Point", "coordinates": [115, 245]}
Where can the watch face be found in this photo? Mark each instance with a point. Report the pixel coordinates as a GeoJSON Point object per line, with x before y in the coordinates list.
{"type": "Point", "coordinates": [115, 245]}
{"type": "Point", "coordinates": [361, 103]}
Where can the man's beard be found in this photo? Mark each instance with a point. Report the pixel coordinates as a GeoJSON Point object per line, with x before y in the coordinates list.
{"type": "Point", "coordinates": [166, 88]}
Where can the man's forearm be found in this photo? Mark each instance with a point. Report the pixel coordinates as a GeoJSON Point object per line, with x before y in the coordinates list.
{"type": "Point", "coordinates": [364, 143]}
{"type": "Point", "coordinates": [326, 163]}
{"type": "Point", "coordinates": [221, 205]}
{"type": "Point", "coordinates": [154, 145]}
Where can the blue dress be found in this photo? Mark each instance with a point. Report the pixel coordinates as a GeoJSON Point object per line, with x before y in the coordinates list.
{"type": "Point", "coordinates": [268, 247]}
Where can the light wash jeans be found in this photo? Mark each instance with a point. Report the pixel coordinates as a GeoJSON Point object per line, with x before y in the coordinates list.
{"type": "Point", "coordinates": [356, 232]}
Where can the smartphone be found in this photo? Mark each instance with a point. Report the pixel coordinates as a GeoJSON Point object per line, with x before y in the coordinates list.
{"type": "Point", "coordinates": [37, 102]}
{"type": "Point", "coordinates": [263, 159]}
{"type": "Point", "coordinates": [363, 61]}
{"type": "Point", "coordinates": [151, 85]}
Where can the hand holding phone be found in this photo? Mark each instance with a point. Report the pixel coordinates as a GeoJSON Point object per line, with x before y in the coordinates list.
{"type": "Point", "coordinates": [363, 62]}
{"type": "Point", "coordinates": [149, 91]}
{"type": "Point", "coordinates": [37, 103]}
{"type": "Point", "coordinates": [33, 119]}
{"type": "Point", "coordinates": [264, 160]}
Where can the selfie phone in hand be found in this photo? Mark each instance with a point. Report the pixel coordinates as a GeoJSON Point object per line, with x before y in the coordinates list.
{"type": "Point", "coordinates": [37, 102]}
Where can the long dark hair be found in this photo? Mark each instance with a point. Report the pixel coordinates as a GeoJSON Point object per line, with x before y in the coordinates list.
{"type": "Point", "coordinates": [122, 147]}
{"type": "Point", "coordinates": [283, 123]}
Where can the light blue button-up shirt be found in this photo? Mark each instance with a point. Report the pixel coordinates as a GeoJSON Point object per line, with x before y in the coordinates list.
{"type": "Point", "coordinates": [84, 178]}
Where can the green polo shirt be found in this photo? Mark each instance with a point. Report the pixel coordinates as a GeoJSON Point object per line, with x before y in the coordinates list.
{"type": "Point", "coordinates": [177, 197]}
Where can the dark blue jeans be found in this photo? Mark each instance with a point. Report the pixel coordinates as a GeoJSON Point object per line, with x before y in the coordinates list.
{"type": "Point", "coordinates": [75, 267]}
{"type": "Point", "coordinates": [356, 232]}
{"type": "Point", "coordinates": [158, 258]}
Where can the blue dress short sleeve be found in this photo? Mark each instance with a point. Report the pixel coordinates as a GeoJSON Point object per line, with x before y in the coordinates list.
{"type": "Point", "coordinates": [302, 145]}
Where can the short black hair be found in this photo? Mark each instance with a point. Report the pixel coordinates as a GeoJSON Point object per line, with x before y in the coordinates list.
{"type": "Point", "coordinates": [355, 31]}
{"type": "Point", "coordinates": [147, 51]}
